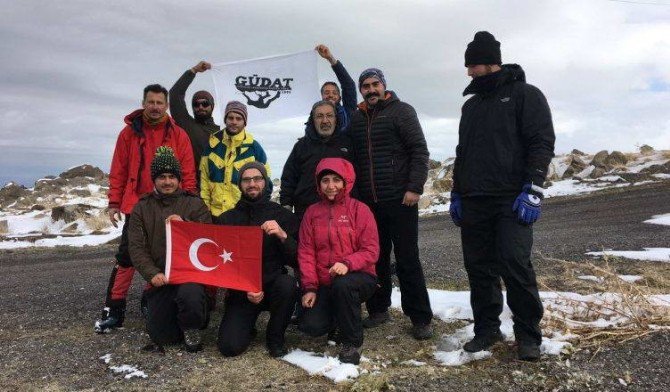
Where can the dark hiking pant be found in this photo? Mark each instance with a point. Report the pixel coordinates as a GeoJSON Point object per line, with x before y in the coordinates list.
{"type": "Point", "coordinates": [174, 309]}
{"type": "Point", "coordinates": [398, 227]}
{"type": "Point", "coordinates": [496, 245]}
{"type": "Point", "coordinates": [339, 306]}
{"type": "Point", "coordinates": [122, 273]}
{"type": "Point", "coordinates": [239, 319]}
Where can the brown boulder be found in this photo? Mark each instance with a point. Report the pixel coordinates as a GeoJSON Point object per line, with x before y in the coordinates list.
{"type": "Point", "coordinates": [577, 152]}
{"type": "Point", "coordinates": [70, 212]}
{"type": "Point", "coordinates": [442, 185]}
{"type": "Point", "coordinates": [616, 158]}
{"type": "Point", "coordinates": [47, 185]}
{"type": "Point", "coordinates": [597, 172]}
{"type": "Point", "coordinates": [4, 226]}
{"type": "Point", "coordinates": [599, 159]}
{"type": "Point", "coordinates": [83, 171]}
{"type": "Point", "coordinates": [433, 164]}
{"type": "Point", "coordinates": [646, 150]}
{"type": "Point", "coordinates": [11, 192]}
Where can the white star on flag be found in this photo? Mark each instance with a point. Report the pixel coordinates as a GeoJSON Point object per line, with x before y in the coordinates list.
{"type": "Point", "coordinates": [226, 256]}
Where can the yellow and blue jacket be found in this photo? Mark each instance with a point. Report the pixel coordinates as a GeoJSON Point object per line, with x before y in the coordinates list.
{"type": "Point", "coordinates": [219, 168]}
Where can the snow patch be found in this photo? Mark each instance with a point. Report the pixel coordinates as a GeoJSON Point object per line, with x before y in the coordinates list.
{"type": "Point", "coordinates": [663, 219]}
{"type": "Point", "coordinates": [630, 278]}
{"type": "Point", "coordinates": [592, 278]}
{"type": "Point", "coordinates": [648, 254]}
{"type": "Point", "coordinates": [129, 371]}
{"type": "Point", "coordinates": [321, 364]}
{"type": "Point", "coordinates": [460, 357]}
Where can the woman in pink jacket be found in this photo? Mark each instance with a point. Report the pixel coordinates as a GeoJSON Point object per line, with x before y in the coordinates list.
{"type": "Point", "coordinates": [338, 250]}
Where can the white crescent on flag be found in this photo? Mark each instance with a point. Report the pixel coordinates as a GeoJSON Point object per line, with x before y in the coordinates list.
{"type": "Point", "coordinates": [193, 254]}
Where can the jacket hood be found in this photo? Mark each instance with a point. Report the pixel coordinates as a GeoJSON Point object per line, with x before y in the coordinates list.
{"type": "Point", "coordinates": [388, 98]}
{"type": "Point", "coordinates": [509, 73]}
{"type": "Point", "coordinates": [134, 119]}
{"type": "Point", "coordinates": [310, 129]}
{"type": "Point", "coordinates": [343, 168]}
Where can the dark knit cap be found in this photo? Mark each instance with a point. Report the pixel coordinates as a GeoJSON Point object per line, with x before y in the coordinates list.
{"type": "Point", "coordinates": [237, 107]}
{"type": "Point", "coordinates": [165, 162]}
{"type": "Point", "coordinates": [253, 165]}
{"type": "Point", "coordinates": [371, 73]}
{"type": "Point", "coordinates": [483, 50]}
{"type": "Point", "coordinates": [202, 94]}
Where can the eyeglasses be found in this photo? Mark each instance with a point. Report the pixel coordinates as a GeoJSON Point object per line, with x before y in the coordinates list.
{"type": "Point", "coordinates": [324, 116]}
{"type": "Point", "coordinates": [249, 180]}
{"type": "Point", "coordinates": [204, 104]}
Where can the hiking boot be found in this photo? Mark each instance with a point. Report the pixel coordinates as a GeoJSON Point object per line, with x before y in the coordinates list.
{"type": "Point", "coordinates": [376, 319]}
{"type": "Point", "coordinates": [277, 350]}
{"type": "Point", "coordinates": [528, 351]}
{"type": "Point", "coordinates": [483, 341]}
{"type": "Point", "coordinates": [111, 318]}
{"type": "Point", "coordinates": [422, 331]}
{"type": "Point", "coordinates": [350, 354]}
{"type": "Point", "coordinates": [192, 340]}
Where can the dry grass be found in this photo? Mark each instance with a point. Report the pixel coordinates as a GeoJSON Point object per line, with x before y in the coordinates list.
{"type": "Point", "coordinates": [97, 222]}
{"type": "Point", "coordinates": [629, 309]}
{"type": "Point", "coordinates": [666, 154]}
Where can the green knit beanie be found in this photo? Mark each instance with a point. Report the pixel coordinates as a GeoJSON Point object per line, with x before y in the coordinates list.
{"type": "Point", "coordinates": [165, 162]}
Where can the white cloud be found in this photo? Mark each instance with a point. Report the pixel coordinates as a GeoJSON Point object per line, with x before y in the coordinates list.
{"type": "Point", "coordinates": [74, 69]}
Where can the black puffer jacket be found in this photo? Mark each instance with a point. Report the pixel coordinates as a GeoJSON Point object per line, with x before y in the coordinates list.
{"type": "Point", "coordinates": [276, 255]}
{"type": "Point", "coordinates": [298, 185]}
{"type": "Point", "coordinates": [390, 151]}
{"type": "Point", "coordinates": [506, 137]}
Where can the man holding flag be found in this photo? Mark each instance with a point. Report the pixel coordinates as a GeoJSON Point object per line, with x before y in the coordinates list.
{"type": "Point", "coordinates": [174, 311]}
{"type": "Point", "coordinates": [279, 289]}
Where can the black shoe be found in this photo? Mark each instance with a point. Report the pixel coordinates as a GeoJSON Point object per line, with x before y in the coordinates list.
{"type": "Point", "coordinates": [422, 331]}
{"type": "Point", "coordinates": [527, 351]}
{"type": "Point", "coordinates": [277, 350]}
{"type": "Point", "coordinates": [350, 354]}
{"type": "Point", "coordinates": [111, 318]}
{"type": "Point", "coordinates": [483, 341]}
{"type": "Point", "coordinates": [192, 340]}
{"type": "Point", "coordinates": [376, 319]}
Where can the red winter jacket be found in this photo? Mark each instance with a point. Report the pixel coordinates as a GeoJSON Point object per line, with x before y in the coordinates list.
{"type": "Point", "coordinates": [343, 230]}
{"type": "Point", "coordinates": [130, 175]}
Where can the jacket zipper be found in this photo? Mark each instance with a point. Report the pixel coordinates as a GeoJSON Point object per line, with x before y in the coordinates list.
{"type": "Point", "coordinates": [330, 240]}
{"type": "Point", "coordinates": [372, 178]}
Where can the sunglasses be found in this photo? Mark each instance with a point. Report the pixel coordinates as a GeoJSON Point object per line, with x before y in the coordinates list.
{"type": "Point", "coordinates": [248, 180]}
{"type": "Point", "coordinates": [204, 104]}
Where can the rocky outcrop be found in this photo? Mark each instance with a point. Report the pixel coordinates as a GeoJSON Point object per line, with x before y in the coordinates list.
{"type": "Point", "coordinates": [646, 149]}
{"type": "Point", "coordinates": [70, 213]}
{"type": "Point", "coordinates": [11, 193]}
{"type": "Point", "coordinates": [616, 158]}
{"type": "Point", "coordinates": [83, 171]}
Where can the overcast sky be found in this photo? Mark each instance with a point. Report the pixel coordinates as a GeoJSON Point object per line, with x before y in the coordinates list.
{"type": "Point", "coordinates": [72, 70]}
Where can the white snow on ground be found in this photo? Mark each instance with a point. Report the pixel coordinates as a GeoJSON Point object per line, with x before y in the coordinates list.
{"type": "Point", "coordinates": [592, 278]}
{"type": "Point", "coordinates": [106, 358]}
{"type": "Point", "coordinates": [648, 254]}
{"type": "Point", "coordinates": [663, 219]}
{"type": "Point", "coordinates": [77, 241]}
{"type": "Point", "coordinates": [435, 209]}
{"type": "Point", "coordinates": [320, 364]}
{"type": "Point", "coordinates": [129, 371]}
{"type": "Point", "coordinates": [661, 176]}
{"type": "Point", "coordinates": [630, 278]}
{"type": "Point", "coordinates": [413, 362]}
{"type": "Point", "coordinates": [450, 306]}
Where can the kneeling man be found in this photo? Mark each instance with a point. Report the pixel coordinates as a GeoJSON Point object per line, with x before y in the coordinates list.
{"type": "Point", "coordinates": [175, 312]}
{"type": "Point", "coordinates": [280, 290]}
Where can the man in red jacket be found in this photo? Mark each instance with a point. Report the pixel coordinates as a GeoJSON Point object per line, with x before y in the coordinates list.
{"type": "Point", "coordinates": [337, 254]}
{"type": "Point", "coordinates": [130, 177]}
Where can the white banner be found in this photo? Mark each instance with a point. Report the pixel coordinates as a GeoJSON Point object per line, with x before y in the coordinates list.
{"type": "Point", "coordinates": [273, 88]}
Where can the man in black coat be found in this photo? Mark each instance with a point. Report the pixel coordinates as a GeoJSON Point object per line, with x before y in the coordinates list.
{"type": "Point", "coordinates": [391, 160]}
{"type": "Point", "coordinates": [506, 142]}
{"type": "Point", "coordinates": [280, 290]}
{"type": "Point", "coordinates": [323, 139]}
{"type": "Point", "coordinates": [201, 125]}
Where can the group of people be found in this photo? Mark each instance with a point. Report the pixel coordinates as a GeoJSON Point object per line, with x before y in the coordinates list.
{"type": "Point", "coordinates": [349, 196]}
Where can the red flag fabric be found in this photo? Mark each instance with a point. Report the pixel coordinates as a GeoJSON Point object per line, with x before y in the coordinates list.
{"type": "Point", "coordinates": [223, 256]}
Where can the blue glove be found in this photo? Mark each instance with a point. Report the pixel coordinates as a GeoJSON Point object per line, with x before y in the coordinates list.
{"type": "Point", "coordinates": [456, 208]}
{"type": "Point", "coordinates": [528, 205]}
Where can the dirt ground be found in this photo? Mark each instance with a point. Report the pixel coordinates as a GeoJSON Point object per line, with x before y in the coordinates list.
{"type": "Point", "coordinates": [50, 298]}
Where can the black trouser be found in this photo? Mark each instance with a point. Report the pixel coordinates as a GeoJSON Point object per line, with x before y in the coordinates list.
{"type": "Point", "coordinates": [122, 273]}
{"type": "Point", "coordinates": [174, 309]}
{"type": "Point", "coordinates": [398, 227]}
{"type": "Point", "coordinates": [496, 245]}
{"type": "Point", "coordinates": [239, 319]}
{"type": "Point", "coordinates": [339, 306]}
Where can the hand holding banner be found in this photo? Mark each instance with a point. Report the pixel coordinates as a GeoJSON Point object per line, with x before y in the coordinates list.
{"type": "Point", "coordinates": [223, 256]}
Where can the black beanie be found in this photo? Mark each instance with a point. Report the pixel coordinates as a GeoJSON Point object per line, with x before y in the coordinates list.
{"type": "Point", "coordinates": [484, 50]}
{"type": "Point", "coordinates": [202, 94]}
{"type": "Point", "coordinates": [165, 162]}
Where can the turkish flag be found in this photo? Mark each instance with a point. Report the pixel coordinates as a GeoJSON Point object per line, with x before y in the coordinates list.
{"type": "Point", "coordinates": [223, 256]}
